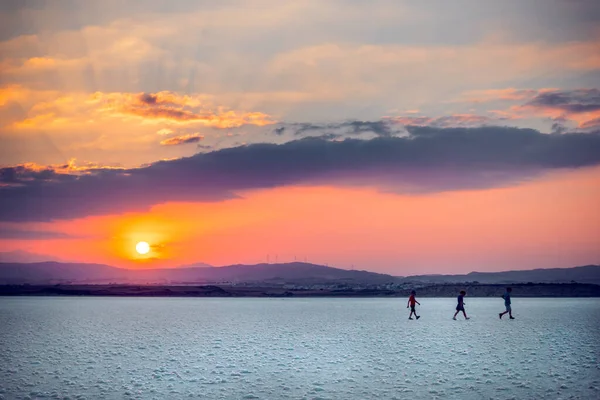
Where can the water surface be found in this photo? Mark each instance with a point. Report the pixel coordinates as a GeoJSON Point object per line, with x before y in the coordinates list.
{"type": "Point", "coordinates": [114, 348]}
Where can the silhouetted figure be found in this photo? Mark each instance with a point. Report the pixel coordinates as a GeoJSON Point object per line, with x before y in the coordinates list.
{"type": "Point", "coordinates": [461, 305]}
{"type": "Point", "coordinates": [506, 297]}
{"type": "Point", "coordinates": [412, 301]}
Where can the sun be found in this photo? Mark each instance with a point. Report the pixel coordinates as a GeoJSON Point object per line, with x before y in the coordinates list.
{"type": "Point", "coordinates": [142, 247]}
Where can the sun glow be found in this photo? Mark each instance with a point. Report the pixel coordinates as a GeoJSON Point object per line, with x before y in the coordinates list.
{"type": "Point", "coordinates": [142, 247]}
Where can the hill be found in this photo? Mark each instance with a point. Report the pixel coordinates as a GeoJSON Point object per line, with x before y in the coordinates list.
{"type": "Point", "coordinates": [269, 274]}
{"type": "Point", "coordinates": [583, 274]}
{"type": "Point", "coordinates": [53, 272]}
{"type": "Point", "coordinates": [22, 256]}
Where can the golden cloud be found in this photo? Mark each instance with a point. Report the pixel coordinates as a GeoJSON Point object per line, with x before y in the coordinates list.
{"type": "Point", "coordinates": [170, 107]}
{"type": "Point", "coordinates": [154, 108]}
{"type": "Point", "coordinates": [165, 131]}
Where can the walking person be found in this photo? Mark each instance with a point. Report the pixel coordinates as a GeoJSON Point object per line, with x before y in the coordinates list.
{"type": "Point", "coordinates": [506, 297]}
{"type": "Point", "coordinates": [412, 301]}
{"type": "Point", "coordinates": [461, 305]}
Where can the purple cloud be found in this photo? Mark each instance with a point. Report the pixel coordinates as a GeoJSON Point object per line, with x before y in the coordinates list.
{"type": "Point", "coordinates": [427, 159]}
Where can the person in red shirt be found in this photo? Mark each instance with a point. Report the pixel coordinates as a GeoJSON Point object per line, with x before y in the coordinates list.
{"type": "Point", "coordinates": [412, 301]}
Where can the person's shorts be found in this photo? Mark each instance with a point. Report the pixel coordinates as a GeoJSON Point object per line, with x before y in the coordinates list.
{"type": "Point", "coordinates": [412, 309]}
{"type": "Point", "coordinates": [460, 308]}
{"type": "Point", "coordinates": [508, 307]}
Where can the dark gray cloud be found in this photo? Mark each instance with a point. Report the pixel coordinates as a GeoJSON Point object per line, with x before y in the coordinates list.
{"type": "Point", "coordinates": [148, 98]}
{"type": "Point", "coordinates": [427, 159]}
{"type": "Point", "coordinates": [568, 101]}
{"type": "Point", "coordinates": [383, 128]}
{"type": "Point", "coordinates": [23, 175]}
{"type": "Point", "coordinates": [559, 128]}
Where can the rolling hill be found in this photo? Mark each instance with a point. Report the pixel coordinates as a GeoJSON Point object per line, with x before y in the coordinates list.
{"type": "Point", "coordinates": [583, 274]}
{"type": "Point", "coordinates": [269, 275]}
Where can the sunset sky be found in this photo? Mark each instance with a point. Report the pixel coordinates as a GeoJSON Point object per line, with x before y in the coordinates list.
{"type": "Point", "coordinates": [401, 137]}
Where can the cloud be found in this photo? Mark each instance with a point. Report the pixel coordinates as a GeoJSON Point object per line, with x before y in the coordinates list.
{"type": "Point", "coordinates": [569, 101]}
{"type": "Point", "coordinates": [428, 159]}
{"type": "Point", "coordinates": [184, 139]}
{"type": "Point", "coordinates": [165, 131]}
{"type": "Point", "coordinates": [24, 234]}
{"type": "Point", "coordinates": [81, 109]}
{"type": "Point", "coordinates": [491, 95]}
{"type": "Point", "coordinates": [183, 109]}
{"type": "Point", "coordinates": [29, 173]}
{"type": "Point", "coordinates": [354, 127]}
{"type": "Point", "coordinates": [246, 66]}
{"type": "Point", "coordinates": [580, 105]}
{"type": "Point", "coordinates": [388, 126]}
{"type": "Point", "coordinates": [341, 68]}
{"type": "Point", "coordinates": [446, 121]}
{"type": "Point", "coordinates": [591, 124]}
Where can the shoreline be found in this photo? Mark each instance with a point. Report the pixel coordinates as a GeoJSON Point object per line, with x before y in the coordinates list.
{"type": "Point", "coordinates": [423, 290]}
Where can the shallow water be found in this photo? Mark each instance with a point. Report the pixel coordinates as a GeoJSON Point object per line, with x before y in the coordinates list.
{"type": "Point", "coordinates": [115, 348]}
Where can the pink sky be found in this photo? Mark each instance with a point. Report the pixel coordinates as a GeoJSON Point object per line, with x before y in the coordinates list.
{"type": "Point", "coordinates": [551, 222]}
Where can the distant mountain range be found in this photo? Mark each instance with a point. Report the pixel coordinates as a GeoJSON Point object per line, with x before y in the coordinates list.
{"type": "Point", "coordinates": [22, 256]}
{"type": "Point", "coordinates": [267, 274]}
{"type": "Point", "coordinates": [584, 274]}
{"type": "Point", "coordinates": [300, 274]}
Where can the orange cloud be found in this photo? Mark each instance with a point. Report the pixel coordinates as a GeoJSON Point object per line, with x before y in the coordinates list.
{"type": "Point", "coordinates": [12, 93]}
{"type": "Point", "coordinates": [184, 139]}
{"type": "Point", "coordinates": [167, 107]}
{"type": "Point", "coordinates": [163, 113]}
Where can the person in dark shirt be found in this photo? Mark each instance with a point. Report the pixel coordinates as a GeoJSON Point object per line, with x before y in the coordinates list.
{"type": "Point", "coordinates": [506, 297]}
{"type": "Point", "coordinates": [412, 301]}
{"type": "Point", "coordinates": [461, 305]}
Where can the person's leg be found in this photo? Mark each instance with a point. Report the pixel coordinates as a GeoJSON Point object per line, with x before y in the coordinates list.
{"type": "Point", "coordinates": [510, 312]}
{"type": "Point", "coordinates": [465, 314]}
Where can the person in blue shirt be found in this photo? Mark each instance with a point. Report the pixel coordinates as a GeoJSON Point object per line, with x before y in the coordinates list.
{"type": "Point", "coordinates": [506, 297]}
{"type": "Point", "coordinates": [461, 305]}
